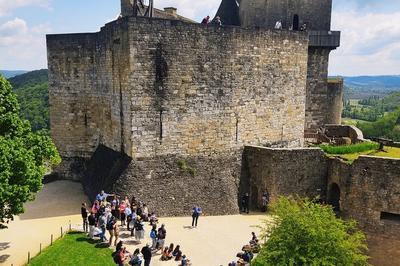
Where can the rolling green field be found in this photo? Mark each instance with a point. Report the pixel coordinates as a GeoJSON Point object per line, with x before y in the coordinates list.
{"type": "Point", "coordinates": [74, 249]}
{"type": "Point", "coordinates": [352, 122]}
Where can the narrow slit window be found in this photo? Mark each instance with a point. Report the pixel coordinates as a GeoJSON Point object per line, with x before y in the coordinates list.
{"type": "Point", "coordinates": [390, 217]}
{"type": "Point", "coordinates": [161, 126]}
{"type": "Point", "coordinates": [237, 130]}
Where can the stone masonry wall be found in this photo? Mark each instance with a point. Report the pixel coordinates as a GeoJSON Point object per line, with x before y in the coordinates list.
{"type": "Point", "coordinates": [317, 88]}
{"type": "Point", "coordinates": [316, 13]}
{"type": "Point", "coordinates": [85, 76]}
{"type": "Point", "coordinates": [171, 184]}
{"type": "Point", "coordinates": [204, 90]}
{"type": "Point", "coordinates": [369, 187]}
{"type": "Point", "coordinates": [334, 102]}
{"type": "Point", "coordinates": [375, 188]}
{"type": "Point", "coordinates": [301, 172]}
{"type": "Point", "coordinates": [156, 87]}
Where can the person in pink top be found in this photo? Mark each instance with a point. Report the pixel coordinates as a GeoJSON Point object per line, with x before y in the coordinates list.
{"type": "Point", "coordinates": [122, 207]}
{"type": "Point", "coordinates": [95, 209]}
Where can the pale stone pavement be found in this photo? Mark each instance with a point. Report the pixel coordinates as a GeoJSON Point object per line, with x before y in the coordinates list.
{"type": "Point", "coordinates": [215, 241]}
{"type": "Point", "coordinates": [57, 204]}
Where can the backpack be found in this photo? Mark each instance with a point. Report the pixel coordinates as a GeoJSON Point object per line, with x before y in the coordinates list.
{"type": "Point", "coordinates": [135, 261]}
{"type": "Point", "coordinates": [153, 234]}
{"type": "Point", "coordinates": [138, 226]}
{"type": "Point", "coordinates": [116, 258]}
{"type": "Point", "coordinates": [110, 224]}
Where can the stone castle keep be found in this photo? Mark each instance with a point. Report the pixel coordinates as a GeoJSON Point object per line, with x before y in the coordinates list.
{"type": "Point", "coordinates": [169, 110]}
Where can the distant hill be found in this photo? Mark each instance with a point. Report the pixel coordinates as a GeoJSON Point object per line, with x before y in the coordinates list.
{"type": "Point", "coordinates": [29, 78]}
{"type": "Point", "coordinates": [32, 91]}
{"type": "Point", "coordinates": [374, 82]}
{"type": "Point", "coordinates": [11, 73]}
{"type": "Point", "coordinates": [364, 87]}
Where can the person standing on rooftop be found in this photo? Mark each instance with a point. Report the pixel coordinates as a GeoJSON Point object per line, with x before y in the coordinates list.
{"type": "Point", "coordinates": [205, 20]}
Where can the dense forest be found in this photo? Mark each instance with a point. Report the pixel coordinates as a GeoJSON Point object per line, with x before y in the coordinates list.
{"type": "Point", "coordinates": [386, 127]}
{"type": "Point", "coordinates": [375, 116]}
{"type": "Point", "coordinates": [33, 95]}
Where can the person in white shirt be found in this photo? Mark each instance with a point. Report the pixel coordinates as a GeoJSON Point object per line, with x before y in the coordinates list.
{"type": "Point", "coordinates": [278, 25]}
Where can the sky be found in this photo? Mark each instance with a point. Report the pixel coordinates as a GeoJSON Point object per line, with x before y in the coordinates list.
{"type": "Point", "coordinates": [370, 30]}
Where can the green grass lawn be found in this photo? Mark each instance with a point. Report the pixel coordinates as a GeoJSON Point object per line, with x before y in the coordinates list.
{"type": "Point", "coordinates": [75, 249]}
{"type": "Point", "coordinates": [388, 152]}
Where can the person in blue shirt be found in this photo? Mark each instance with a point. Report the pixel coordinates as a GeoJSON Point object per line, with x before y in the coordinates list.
{"type": "Point", "coordinates": [102, 196]}
{"type": "Point", "coordinates": [196, 212]}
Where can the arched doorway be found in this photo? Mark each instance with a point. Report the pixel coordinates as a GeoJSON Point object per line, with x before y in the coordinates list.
{"type": "Point", "coordinates": [334, 197]}
{"type": "Point", "coordinates": [296, 22]}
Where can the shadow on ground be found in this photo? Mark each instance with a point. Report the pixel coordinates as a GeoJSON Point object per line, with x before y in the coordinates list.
{"type": "Point", "coordinates": [3, 258]}
{"type": "Point", "coordinates": [4, 245]}
{"type": "Point", "coordinates": [54, 200]}
{"type": "Point", "coordinates": [96, 243]}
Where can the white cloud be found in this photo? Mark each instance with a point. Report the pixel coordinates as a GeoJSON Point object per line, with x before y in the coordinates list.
{"type": "Point", "coordinates": [12, 27]}
{"type": "Point", "coordinates": [370, 43]}
{"type": "Point", "coordinates": [7, 6]}
{"type": "Point", "coordinates": [20, 43]}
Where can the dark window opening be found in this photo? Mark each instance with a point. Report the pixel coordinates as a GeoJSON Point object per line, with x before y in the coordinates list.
{"type": "Point", "coordinates": [161, 126]}
{"type": "Point", "coordinates": [392, 217]}
{"type": "Point", "coordinates": [296, 22]}
{"type": "Point", "coordinates": [86, 121]}
{"type": "Point", "coordinates": [237, 130]}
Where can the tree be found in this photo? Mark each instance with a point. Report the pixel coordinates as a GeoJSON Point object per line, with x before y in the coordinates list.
{"type": "Point", "coordinates": [23, 156]}
{"type": "Point", "coordinates": [307, 233]}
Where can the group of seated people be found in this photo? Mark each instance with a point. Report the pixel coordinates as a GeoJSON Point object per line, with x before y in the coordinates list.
{"type": "Point", "coordinates": [172, 253]}
{"type": "Point", "coordinates": [132, 214]}
{"type": "Point", "coordinates": [248, 251]}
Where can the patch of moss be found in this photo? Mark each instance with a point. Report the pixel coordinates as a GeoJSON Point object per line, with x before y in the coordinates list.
{"type": "Point", "coordinates": [185, 167]}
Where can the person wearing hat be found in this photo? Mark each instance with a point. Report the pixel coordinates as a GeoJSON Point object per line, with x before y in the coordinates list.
{"type": "Point", "coordinates": [146, 252]}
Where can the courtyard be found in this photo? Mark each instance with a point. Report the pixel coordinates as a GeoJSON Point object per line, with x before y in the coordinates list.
{"type": "Point", "coordinates": [215, 241]}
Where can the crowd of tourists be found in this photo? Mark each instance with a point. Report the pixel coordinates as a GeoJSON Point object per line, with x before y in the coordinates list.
{"type": "Point", "coordinates": [110, 213]}
{"type": "Point", "coordinates": [245, 257]}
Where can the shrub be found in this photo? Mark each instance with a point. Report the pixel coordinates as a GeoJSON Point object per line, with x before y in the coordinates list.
{"type": "Point", "coordinates": [307, 233]}
{"type": "Point", "coordinates": [348, 149]}
{"type": "Point", "coordinates": [184, 166]}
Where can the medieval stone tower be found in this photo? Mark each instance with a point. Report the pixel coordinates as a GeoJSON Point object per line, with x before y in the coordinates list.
{"type": "Point", "coordinates": [316, 15]}
{"type": "Point", "coordinates": [159, 103]}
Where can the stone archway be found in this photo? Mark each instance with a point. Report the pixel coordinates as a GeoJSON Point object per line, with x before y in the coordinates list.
{"type": "Point", "coordinates": [334, 197]}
